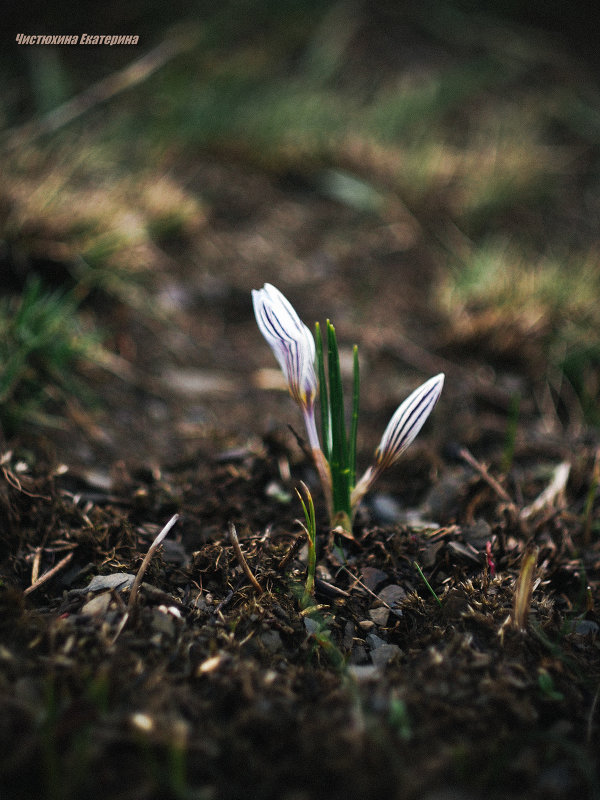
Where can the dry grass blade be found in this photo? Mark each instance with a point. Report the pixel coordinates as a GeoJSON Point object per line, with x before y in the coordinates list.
{"type": "Point", "coordinates": [50, 574]}
{"type": "Point", "coordinates": [554, 490]}
{"type": "Point", "coordinates": [241, 558]}
{"type": "Point", "coordinates": [291, 552]}
{"type": "Point", "coordinates": [144, 565]}
{"type": "Point", "coordinates": [482, 470]}
{"type": "Point", "coordinates": [524, 587]}
{"type": "Point", "coordinates": [35, 568]}
{"type": "Point", "coordinates": [358, 582]}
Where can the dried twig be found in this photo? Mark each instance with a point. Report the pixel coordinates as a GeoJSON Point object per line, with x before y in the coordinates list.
{"type": "Point", "coordinates": [14, 481]}
{"type": "Point", "coordinates": [35, 568]}
{"type": "Point", "coordinates": [291, 552]}
{"type": "Point", "coordinates": [482, 470]}
{"type": "Point", "coordinates": [140, 574]}
{"type": "Point", "coordinates": [144, 565]}
{"type": "Point", "coordinates": [50, 574]}
{"type": "Point", "coordinates": [241, 558]}
{"type": "Point", "coordinates": [366, 588]}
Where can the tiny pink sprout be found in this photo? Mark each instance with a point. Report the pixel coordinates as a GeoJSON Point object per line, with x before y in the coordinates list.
{"type": "Point", "coordinates": [489, 560]}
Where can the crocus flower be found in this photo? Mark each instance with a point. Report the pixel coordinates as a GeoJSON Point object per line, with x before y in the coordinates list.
{"type": "Point", "coordinates": [294, 348]}
{"type": "Point", "coordinates": [402, 429]}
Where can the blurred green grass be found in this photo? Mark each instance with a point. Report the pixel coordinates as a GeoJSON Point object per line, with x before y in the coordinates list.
{"type": "Point", "coordinates": [41, 340]}
{"type": "Point", "coordinates": [486, 131]}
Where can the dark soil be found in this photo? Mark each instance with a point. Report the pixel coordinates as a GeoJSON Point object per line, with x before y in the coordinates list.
{"type": "Point", "coordinates": [214, 689]}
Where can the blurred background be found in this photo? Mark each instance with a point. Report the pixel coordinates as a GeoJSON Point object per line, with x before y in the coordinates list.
{"type": "Point", "coordinates": [425, 174]}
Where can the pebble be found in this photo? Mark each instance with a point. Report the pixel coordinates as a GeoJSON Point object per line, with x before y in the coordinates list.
{"type": "Point", "coordinates": [386, 510]}
{"type": "Point", "coordinates": [379, 615]}
{"type": "Point", "coordinates": [116, 580]}
{"type": "Point", "coordinates": [271, 641]}
{"type": "Point", "coordinates": [97, 606]}
{"type": "Point", "coordinates": [372, 577]}
{"type": "Point", "coordinates": [363, 672]}
{"type": "Point", "coordinates": [384, 654]}
{"type": "Point", "coordinates": [374, 641]}
{"type": "Point", "coordinates": [585, 626]}
{"type": "Point", "coordinates": [393, 596]}
{"type": "Point", "coordinates": [163, 623]}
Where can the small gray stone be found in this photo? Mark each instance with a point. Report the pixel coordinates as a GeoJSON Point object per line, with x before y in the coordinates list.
{"type": "Point", "coordinates": [116, 580]}
{"type": "Point", "coordinates": [393, 596]}
{"type": "Point", "coordinates": [97, 606]}
{"type": "Point", "coordinates": [379, 615]}
{"type": "Point", "coordinates": [374, 641]}
{"type": "Point", "coordinates": [271, 641]}
{"type": "Point", "coordinates": [585, 626]}
{"type": "Point", "coordinates": [363, 672]}
{"type": "Point", "coordinates": [385, 654]}
{"type": "Point", "coordinates": [373, 577]}
{"type": "Point", "coordinates": [386, 509]}
{"type": "Point", "coordinates": [163, 623]}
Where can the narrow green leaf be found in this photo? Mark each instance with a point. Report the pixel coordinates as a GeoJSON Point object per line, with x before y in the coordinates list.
{"type": "Point", "coordinates": [311, 531]}
{"type": "Point", "coordinates": [354, 422]}
{"type": "Point", "coordinates": [303, 504]}
{"type": "Point", "coordinates": [312, 517]}
{"type": "Point", "coordinates": [339, 446]}
{"type": "Point", "coordinates": [323, 395]}
{"type": "Point", "coordinates": [427, 584]}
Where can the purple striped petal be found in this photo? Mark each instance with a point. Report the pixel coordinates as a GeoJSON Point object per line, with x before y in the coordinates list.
{"type": "Point", "coordinates": [290, 340]}
{"type": "Point", "coordinates": [407, 421]}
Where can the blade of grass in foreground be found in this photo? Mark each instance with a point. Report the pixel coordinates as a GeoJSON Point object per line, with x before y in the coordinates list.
{"type": "Point", "coordinates": [340, 473]}
{"type": "Point", "coordinates": [354, 421]}
{"type": "Point", "coordinates": [323, 395]}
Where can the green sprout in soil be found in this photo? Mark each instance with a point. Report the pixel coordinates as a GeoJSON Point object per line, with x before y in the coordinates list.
{"type": "Point", "coordinates": [427, 584]}
{"type": "Point", "coordinates": [316, 622]}
{"type": "Point", "coordinates": [335, 459]}
{"type": "Point", "coordinates": [310, 528]}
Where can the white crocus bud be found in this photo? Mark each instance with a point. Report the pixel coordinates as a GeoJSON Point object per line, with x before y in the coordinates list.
{"type": "Point", "coordinates": [401, 431]}
{"type": "Point", "coordinates": [407, 421]}
{"type": "Point", "coordinates": [294, 348]}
